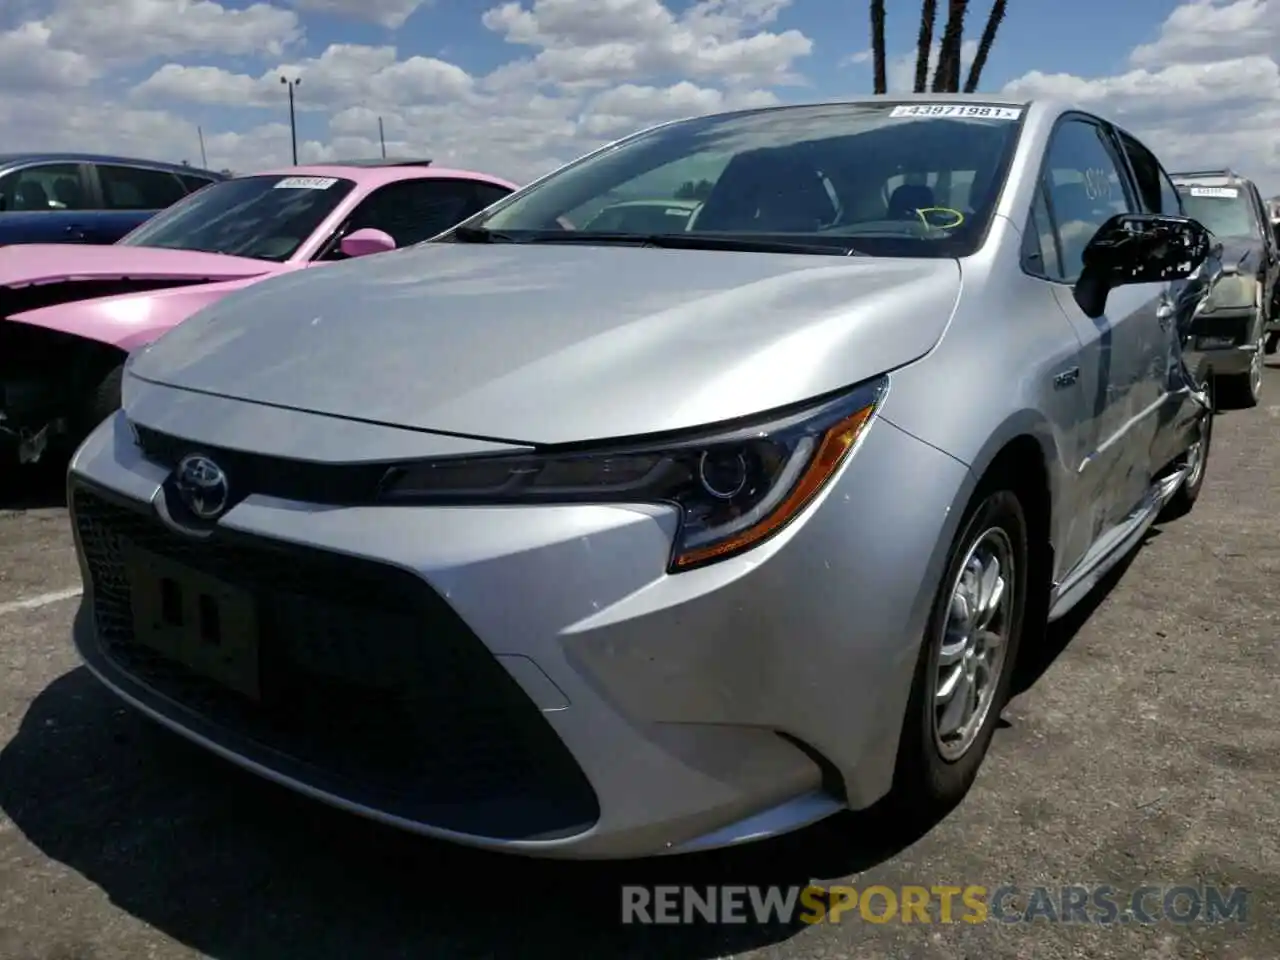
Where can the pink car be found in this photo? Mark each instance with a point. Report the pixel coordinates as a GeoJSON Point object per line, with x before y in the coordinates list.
{"type": "Point", "coordinates": [70, 314]}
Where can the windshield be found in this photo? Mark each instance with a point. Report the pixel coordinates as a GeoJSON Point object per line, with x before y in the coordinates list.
{"type": "Point", "coordinates": [267, 218]}
{"type": "Point", "coordinates": [883, 179]}
{"type": "Point", "coordinates": [1225, 211]}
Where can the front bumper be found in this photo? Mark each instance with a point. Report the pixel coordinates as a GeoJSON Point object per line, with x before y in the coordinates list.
{"type": "Point", "coordinates": [638, 713]}
{"type": "Point", "coordinates": [1229, 338]}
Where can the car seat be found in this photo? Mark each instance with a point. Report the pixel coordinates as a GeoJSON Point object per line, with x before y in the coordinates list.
{"type": "Point", "coordinates": [66, 190]}
{"type": "Point", "coordinates": [767, 191]}
{"type": "Point", "coordinates": [31, 196]}
{"type": "Point", "coordinates": [908, 199]}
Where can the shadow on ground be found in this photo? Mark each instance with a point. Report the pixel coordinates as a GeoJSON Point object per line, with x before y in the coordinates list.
{"type": "Point", "coordinates": [1035, 659]}
{"type": "Point", "coordinates": [34, 487]}
{"type": "Point", "coordinates": [240, 869]}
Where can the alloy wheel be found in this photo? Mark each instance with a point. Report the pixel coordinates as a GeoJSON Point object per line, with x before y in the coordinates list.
{"type": "Point", "coordinates": [974, 643]}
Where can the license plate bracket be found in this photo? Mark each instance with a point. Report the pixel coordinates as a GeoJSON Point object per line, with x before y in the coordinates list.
{"type": "Point", "coordinates": [195, 620]}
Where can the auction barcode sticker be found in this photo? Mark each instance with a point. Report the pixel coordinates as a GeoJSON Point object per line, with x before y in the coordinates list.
{"type": "Point", "coordinates": [306, 183]}
{"type": "Point", "coordinates": [956, 110]}
{"type": "Point", "coordinates": [1229, 193]}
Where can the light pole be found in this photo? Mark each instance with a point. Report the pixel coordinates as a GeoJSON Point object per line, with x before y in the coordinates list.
{"type": "Point", "coordinates": [293, 123]}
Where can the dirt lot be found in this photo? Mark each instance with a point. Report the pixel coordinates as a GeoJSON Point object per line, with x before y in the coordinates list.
{"type": "Point", "coordinates": [1144, 750]}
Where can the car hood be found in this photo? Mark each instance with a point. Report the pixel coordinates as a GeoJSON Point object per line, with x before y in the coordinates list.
{"type": "Point", "coordinates": [555, 344]}
{"type": "Point", "coordinates": [1244, 252]}
{"type": "Point", "coordinates": [38, 263]}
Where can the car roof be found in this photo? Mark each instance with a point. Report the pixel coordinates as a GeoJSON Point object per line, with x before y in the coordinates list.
{"type": "Point", "coordinates": [9, 159]}
{"type": "Point", "coordinates": [383, 162]}
{"type": "Point", "coordinates": [1223, 177]}
{"type": "Point", "coordinates": [378, 175]}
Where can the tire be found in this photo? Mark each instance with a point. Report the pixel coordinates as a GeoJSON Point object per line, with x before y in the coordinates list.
{"type": "Point", "coordinates": [930, 777]}
{"type": "Point", "coordinates": [1182, 501]}
{"type": "Point", "coordinates": [102, 401]}
{"type": "Point", "coordinates": [1273, 341]}
{"type": "Point", "coordinates": [1243, 391]}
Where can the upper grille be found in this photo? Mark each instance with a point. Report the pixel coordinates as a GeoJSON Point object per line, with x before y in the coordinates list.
{"type": "Point", "coordinates": [366, 676]}
{"type": "Point", "coordinates": [347, 484]}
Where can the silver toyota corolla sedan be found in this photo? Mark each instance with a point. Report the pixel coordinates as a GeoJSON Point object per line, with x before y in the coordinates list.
{"type": "Point", "coordinates": [601, 544]}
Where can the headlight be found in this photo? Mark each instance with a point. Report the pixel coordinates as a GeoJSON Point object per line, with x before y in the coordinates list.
{"type": "Point", "coordinates": [1231, 292]}
{"type": "Point", "coordinates": [734, 488]}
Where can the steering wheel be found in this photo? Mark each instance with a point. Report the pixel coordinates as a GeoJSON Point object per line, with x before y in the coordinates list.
{"type": "Point", "coordinates": [930, 215]}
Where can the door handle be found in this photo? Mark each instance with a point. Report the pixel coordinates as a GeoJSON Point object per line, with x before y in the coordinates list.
{"type": "Point", "coordinates": [1066, 378]}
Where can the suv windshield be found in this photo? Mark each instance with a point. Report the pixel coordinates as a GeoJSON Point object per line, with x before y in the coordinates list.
{"type": "Point", "coordinates": [1226, 211]}
{"type": "Point", "coordinates": [878, 179]}
{"type": "Point", "coordinates": [267, 217]}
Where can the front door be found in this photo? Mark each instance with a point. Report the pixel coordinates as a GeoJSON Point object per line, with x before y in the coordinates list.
{"type": "Point", "coordinates": [1086, 185]}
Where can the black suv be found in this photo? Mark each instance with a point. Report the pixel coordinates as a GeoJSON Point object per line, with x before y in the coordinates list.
{"type": "Point", "coordinates": [1240, 322]}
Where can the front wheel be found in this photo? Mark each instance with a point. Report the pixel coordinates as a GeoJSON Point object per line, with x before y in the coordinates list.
{"type": "Point", "coordinates": [1242, 391]}
{"type": "Point", "coordinates": [1196, 464]}
{"type": "Point", "coordinates": [102, 401]}
{"type": "Point", "coordinates": [966, 662]}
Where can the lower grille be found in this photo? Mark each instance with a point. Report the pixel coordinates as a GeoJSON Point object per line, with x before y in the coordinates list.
{"type": "Point", "coordinates": [367, 679]}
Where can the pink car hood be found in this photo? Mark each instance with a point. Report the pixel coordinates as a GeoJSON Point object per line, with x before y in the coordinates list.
{"type": "Point", "coordinates": [53, 286]}
{"type": "Point", "coordinates": [34, 263]}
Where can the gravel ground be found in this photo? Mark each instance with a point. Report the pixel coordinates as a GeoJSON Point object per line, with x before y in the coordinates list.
{"type": "Point", "coordinates": [1143, 749]}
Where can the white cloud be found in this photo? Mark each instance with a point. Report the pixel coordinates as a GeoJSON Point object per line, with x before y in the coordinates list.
{"type": "Point", "coordinates": [1205, 92]}
{"type": "Point", "coordinates": [343, 75]}
{"type": "Point", "coordinates": [389, 13]}
{"type": "Point", "coordinates": [27, 63]}
{"type": "Point", "coordinates": [621, 110]}
{"type": "Point", "coordinates": [1207, 31]}
{"type": "Point", "coordinates": [593, 43]}
{"type": "Point", "coordinates": [603, 68]}
{"type": "Point", "coordinates": [142, 29]}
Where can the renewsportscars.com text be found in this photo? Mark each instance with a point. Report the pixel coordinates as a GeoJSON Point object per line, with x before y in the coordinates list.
{"type": "Point", "coordinates": [1097, 904]}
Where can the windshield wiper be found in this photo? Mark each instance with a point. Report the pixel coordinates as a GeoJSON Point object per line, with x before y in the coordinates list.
{"type": "Point", "coordinates": [696, 241]}
{"type": "Point", "coordinates": [481, 235]}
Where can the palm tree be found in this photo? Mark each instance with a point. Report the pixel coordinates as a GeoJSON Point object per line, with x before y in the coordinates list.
{"type": "Point", "coordinates": [946, 76]}
{"type": "Point", "coordinates": [984, 45]}
{"type": "Point", "coordinates": [924, 45]}
{"type": "Point", "coordinates": [877, 46]}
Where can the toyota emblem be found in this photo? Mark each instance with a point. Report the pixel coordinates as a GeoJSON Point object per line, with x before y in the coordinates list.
{"type": "Point", "coordinates": [202, 486]}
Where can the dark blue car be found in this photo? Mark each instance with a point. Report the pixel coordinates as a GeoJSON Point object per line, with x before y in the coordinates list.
{"type": "Point", "coordinates": [83, 198]}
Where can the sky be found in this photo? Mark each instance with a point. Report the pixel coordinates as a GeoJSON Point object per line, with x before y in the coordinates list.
{"type": "Point", "coordinates": [517, 88]}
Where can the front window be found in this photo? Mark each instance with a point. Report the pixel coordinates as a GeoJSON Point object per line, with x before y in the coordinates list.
{"type": "Point", "coordinates": [1225, 211]}
{"type": "Point", "coordinates": [265, 217]}
{"type": "Point", "coordinates": [882, 179]}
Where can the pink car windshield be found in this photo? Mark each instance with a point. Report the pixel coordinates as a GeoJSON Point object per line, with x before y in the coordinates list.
{"type": "Point", "coordinates": [263, 217]}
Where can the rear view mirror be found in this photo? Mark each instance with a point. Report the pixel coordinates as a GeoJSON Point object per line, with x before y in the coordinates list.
{"type": "Point", "coordinates": [361, 243]}
{"type": "Point", "coordinates": [1140, 248]}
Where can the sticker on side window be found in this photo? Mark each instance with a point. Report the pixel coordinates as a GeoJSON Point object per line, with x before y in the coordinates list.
{"type": "Point", "coordinates": [1229, 193]}
{"type": "Point", "coordinates": [306, 183]}
{"type": "Point", "coordinates": [965, 110]}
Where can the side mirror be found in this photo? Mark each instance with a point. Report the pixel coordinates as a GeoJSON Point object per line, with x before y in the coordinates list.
{"type": "Point", "coordinates": [1140, 248]}
{"type": "Point", "coordinates": [361, 243]}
